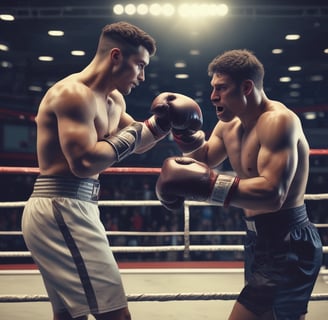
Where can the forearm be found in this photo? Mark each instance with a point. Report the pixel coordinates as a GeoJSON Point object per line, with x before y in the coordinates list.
{"type": "Point", "coordinates": [258, 194]}
{"type": "Point", "coordinates": [150, 135]}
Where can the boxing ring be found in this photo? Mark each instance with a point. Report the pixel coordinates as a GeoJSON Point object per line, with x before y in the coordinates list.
{"type": "Point", "coordinates": [173, 282]}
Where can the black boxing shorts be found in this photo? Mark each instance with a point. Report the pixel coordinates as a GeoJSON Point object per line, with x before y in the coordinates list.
{"type": "Point", "coordinates": [283, 256]}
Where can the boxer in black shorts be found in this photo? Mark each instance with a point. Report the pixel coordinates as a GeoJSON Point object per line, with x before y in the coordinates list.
{"type": "Point", "coordinates": [269, 154]}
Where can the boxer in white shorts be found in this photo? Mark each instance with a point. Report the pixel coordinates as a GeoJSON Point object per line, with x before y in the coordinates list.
{"type": "Point", "coordinates": [82, 129]}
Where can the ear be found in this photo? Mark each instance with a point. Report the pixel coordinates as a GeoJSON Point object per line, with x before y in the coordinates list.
{"type": "Point", "coordinates": [247, 87]}
{"type": "Point", "coordinates": [116, 55]}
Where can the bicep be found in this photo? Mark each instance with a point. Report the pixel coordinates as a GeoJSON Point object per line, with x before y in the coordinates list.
{"type": "Point", "coordinates": [277, 159]}
{"type": "Point", "coordinates": [76, 129]}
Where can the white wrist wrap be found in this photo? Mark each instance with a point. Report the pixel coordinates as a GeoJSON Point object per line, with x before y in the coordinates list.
{"type": "Point", "coordinates": [155, 129]}
{"type": "Point", "coordinates": [223, 189]}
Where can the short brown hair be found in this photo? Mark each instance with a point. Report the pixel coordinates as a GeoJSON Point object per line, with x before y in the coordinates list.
{"type": "Point", "coordinates": [129, 36]}
{"type": "Point", "coordinates": [240, 65]}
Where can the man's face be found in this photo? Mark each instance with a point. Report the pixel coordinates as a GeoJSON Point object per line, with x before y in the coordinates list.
{"type": "Point", "coordinates": [226, 96]}
{"type": "Point", "coordinates": [131, 71]}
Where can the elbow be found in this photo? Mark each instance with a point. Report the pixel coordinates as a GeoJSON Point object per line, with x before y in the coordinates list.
{"type": "Point", "coordinates": [275, 199]}
{"type": "Point", "coordinates": [82, 169]}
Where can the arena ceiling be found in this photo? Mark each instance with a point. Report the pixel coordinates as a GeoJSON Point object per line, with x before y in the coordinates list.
{"type": "Point", "coordinates": [260, 26]}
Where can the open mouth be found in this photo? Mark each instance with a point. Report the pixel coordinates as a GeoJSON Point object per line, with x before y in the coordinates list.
{"type": "Point", "coordinates": [219, 109]}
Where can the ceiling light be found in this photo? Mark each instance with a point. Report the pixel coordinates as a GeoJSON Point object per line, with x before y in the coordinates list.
{"type": "Point", "coordinates": [194, 52]}
{"type": "Point", "coordinates": [3, 47]}
{"type": "Point", "coordinates": [142, 9]}
{"type": "Point", "coordinates": [310, 115]}
{"type": "Point", "coordinates": [277, 51]}
{"type": "Point", "coordinates": [7, 17]}
{"type": "Point", "coordinates": [316, 77]}
{"type": "Point", "coordinates": [155, 9]}
{"type": "Point", "coordinates": [6, 64]}
{"type": "Point", "coordinates": [46, 58]}
{"type": "Point", "coordinates": [77, 53]}
{"type": "Point", "coordinates": [326, 51]}
{"type": "Point", "coordinates": [294, 68]}
{"type": "Point", "coordinates": [180, 64]}
{"type": "Point", "coordinates": [56, 33]}
{"type": "Point", "coordinates": [35, 88]}
{"type": "Point", "coordinates": [182, 76]}
{"type": "Point", "coordinates": [285, 79]}
{"type": "Point", "coordinates": [130, 9]}
{"type": "Point", "coordinates": [295, 85]}
{"type": "Point", "coordinates": [292, 36]}
{"type": "Point", "coordinates": [294, 94]}
{"type": "Point", "coordinates": [118, 9]}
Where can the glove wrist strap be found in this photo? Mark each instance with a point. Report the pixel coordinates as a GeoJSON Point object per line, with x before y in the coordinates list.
{"type": "Point", "coordinates": [125, 141]}
{"type": "Point", "coordinates": [224, 188]}
{"type": "Point", "coordinates": [155, 128]}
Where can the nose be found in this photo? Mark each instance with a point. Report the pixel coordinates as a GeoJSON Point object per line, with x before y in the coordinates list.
{"type": "Point", "coordinates": [214, 97]}
{"type": "Point", "coordinates": [141, 76]}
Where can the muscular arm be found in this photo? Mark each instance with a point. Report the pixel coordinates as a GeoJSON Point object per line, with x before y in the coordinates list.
{"type": "Point", "coordinates": [78, 137]}
{"type": "Point", "coordinates": [213, 151]}
{"type": "Point", "coordinates": [276, 164]}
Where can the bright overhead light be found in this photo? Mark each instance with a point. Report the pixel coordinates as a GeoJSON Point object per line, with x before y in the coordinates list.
{"type": "Point", "coordinates": [310, 115]}
{"type": "Point", "coordinates": [294, 68]}
{"type": "Point", "coordinates": [118, 9]}
{"type": "Point", "coordinates": [77, 53]}
{"type": "Point", "coordinates": [142, 9]}
{"type": "Point", "coordinates": [130, 9]}
{"type": "Point", "coordinates": [168, 10]}
{"type": "Point", "coordinates": [277, 51]}
{"type": "Point", "coordinates": [56, 33]}
{"type": "Point", "coordinates": [202, 10]}
{"type": "Point", "coordinates": [155, 9]}
{"type": "Point", "coordinates": [285, 79]}
{"type": "Point", "coordinates": [46, 58]}
{"type": "Point", "coordinates": [3, 47]}
{"type": "Point", "coordinates": [292, 36]}
{"type": "Point", "coordinates": [194, 52]}
{"type": "Point", "coordinates": [7, 17]}
{"type": "Point", "coordinates": [180, 64]}
{"type": "Point", "coordinates": [182, 76]}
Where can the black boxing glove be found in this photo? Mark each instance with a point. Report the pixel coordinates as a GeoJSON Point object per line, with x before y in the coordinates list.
{"type": "Point", "coordinates": [126, 140]}
{"type": "Point", "coordinates": [182, 114]}
{"type": "Point", "coordinates": [184, 178]}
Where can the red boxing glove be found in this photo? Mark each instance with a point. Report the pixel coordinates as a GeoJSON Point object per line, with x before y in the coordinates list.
{"type": "Point", "coordinates": [184, 178]}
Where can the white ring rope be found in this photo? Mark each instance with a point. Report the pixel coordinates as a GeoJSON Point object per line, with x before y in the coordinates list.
{"type": "Point", "coordinates": [155, 297]}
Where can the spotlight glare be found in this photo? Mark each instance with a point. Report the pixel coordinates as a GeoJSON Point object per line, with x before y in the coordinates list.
{"type": "Point", "coordinates": [222, 10]}
{"type": "Point", "coordinates": [168, 10]}
{"type": "Point", "coordinates": [155, 9]}
{"type": "Point", "coordinates": [130, 9]}
{"type": "Point", "coordinates": [142, 9]}
{"type": "Point", "coordinates": [118, 9]}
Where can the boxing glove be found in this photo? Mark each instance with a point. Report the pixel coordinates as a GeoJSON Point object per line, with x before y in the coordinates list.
{"type": "Point", "coordinates": [182, 114]}
{"type": "Point", "coordinates": [184, 178]}
{"type": "Point", "coordinates": [126, 140]}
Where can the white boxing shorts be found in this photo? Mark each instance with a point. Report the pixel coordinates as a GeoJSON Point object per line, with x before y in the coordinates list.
{"type": "Point", "coordinates": [63, 231]}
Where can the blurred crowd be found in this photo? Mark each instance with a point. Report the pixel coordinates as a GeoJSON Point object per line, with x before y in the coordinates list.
{"type": "Point", "coordinates": [153, 219]}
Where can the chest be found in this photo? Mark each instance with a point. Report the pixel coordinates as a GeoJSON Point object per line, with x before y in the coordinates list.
{"type": "Point", "coordinates": [107, 117]}
{"type": "Point", "coordinates": [243, 151]}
